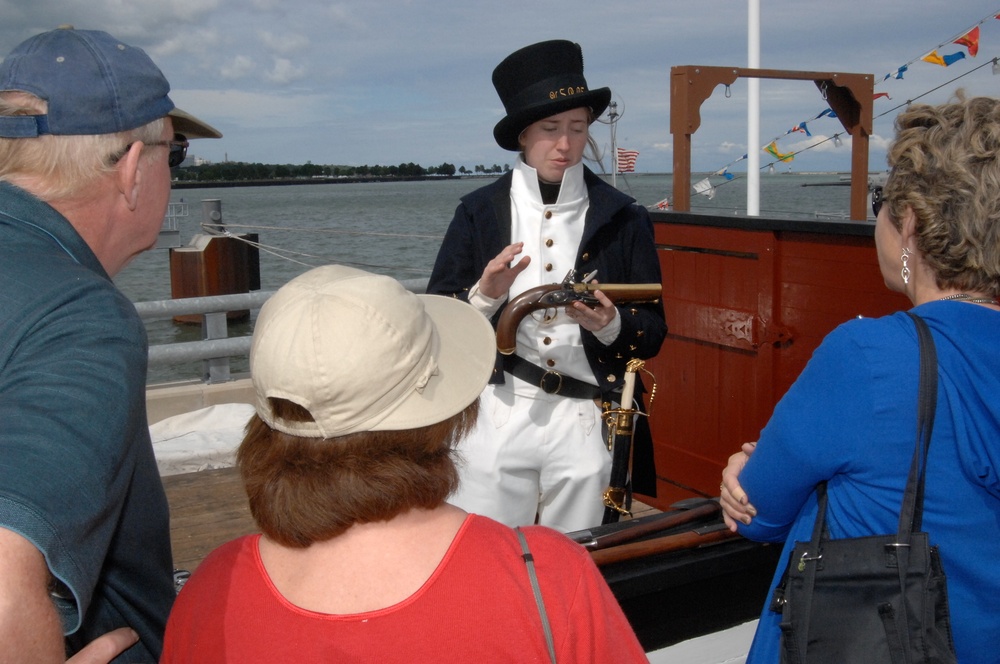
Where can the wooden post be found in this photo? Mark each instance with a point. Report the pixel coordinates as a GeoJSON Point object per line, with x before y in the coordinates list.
{"type": "Point", "coordinates": [214, 265]}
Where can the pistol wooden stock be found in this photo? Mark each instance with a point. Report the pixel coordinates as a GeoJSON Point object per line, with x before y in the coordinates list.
{"type": "Point", "coordinates": [552, 296]}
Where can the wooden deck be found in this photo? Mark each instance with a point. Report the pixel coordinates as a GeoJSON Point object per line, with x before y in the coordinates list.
{"type": "Point", "coordinates": [209, 508]}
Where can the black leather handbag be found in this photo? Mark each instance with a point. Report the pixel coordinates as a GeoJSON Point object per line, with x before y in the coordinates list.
{"type": "Point", "coordinates": [880, 598]}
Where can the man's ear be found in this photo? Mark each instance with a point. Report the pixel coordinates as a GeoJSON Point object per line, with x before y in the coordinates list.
{"type": "Point", "coordinates": [130, 170]}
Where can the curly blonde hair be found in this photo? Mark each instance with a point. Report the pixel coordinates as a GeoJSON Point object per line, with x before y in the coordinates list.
{"type": "Point", "coordinates": [945, 166]}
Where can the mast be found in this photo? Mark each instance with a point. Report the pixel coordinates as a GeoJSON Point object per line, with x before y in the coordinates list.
{"type": "Point", "coordinates": [613, 123]}
{"type": "Point", "coordinates": [753, 111]}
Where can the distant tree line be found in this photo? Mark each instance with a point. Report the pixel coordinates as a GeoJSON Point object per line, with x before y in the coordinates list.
{"type": "Point", "coordinates": [234, 171]}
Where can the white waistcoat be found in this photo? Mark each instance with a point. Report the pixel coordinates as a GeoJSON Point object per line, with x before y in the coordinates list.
{"type": "Point", "coordinates": [551, 236]}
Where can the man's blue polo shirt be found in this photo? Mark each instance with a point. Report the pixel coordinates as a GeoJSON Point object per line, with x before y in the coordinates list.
{"type": "Point", "coordinates": [77, 472]}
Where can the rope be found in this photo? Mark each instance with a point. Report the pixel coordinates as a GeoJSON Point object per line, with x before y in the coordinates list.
{"type": "Point", "coordinates": [291, 254]}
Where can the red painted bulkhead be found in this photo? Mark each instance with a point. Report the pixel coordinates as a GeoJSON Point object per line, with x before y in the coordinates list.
{"type": "Point", "coordinates": [747, 301]}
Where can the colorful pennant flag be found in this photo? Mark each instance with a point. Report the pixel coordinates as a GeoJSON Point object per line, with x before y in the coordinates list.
{"type": "Point", "coordinates": [626, 160]}
{"type": "Point", "coordinates": [970, 40]}
{"type": "Point", "coordinates": [705, 188]}
{"type": "Point", "coordinates": [881, 94]}
{"type": "Point", "coordinates": [772, 149]}
{"type": "Point", "coordinates": [898, 74]}
{"type": "Point", "coordinates": [943, 60]}
{"type": "Point", "coordinates": [802, 128]}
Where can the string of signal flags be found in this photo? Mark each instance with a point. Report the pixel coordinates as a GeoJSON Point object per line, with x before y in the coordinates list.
{"type": "Point", "coordinates": [967, 39]}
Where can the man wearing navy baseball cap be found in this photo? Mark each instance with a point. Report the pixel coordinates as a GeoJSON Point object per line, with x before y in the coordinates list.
{"type": "Point", "coordinates": [88, 135]}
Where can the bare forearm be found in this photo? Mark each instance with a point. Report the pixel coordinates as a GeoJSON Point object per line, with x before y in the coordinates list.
{"type": "Point", "coordinates": [30, 630]}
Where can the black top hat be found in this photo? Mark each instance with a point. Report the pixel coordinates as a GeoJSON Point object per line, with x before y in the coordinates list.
{"type": "Point", "coordinates": [539, 81]}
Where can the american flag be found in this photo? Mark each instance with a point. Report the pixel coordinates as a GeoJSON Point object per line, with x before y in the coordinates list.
{"type": "Point", "coordinates": [626, 160]}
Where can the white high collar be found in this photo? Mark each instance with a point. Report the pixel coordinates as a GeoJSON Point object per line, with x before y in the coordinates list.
{"type": "Point", "coordinates": [525, 182]}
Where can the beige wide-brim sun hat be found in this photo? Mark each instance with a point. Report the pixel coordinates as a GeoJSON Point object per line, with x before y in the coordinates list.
{"type": "Point", "coordinates": [362, 353]}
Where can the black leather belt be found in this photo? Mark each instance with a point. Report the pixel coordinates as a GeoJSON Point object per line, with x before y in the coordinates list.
{"type": "Point", "coordinates": [549, 381]}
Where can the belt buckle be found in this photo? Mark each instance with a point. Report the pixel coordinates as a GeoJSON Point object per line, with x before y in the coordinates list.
{"type": "Point", "coordinates": [544, 383]}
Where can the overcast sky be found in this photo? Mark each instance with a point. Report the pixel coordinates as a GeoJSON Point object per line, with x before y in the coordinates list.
{"type": "Point", "coordinates": [395, 81]}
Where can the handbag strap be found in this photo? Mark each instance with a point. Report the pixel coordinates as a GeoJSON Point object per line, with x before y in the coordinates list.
{"type": "Point", "coordinates": [912, 512]}
{"type": "Point", "coordinates": [529, 562]}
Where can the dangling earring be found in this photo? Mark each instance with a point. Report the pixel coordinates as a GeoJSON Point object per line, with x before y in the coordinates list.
{"type": "Point", "coordinates": [905, 272]}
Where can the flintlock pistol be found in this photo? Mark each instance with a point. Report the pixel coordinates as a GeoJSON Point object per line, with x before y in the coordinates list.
{"type": "Point", "coordinates": [552, 296]}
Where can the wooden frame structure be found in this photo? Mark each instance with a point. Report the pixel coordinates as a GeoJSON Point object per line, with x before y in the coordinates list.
{"type": "Point", "coordinates": [849, 95]}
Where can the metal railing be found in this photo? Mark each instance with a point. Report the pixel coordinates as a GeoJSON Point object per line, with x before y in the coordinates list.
{"type": "Point", "coordinates": [216, 346]}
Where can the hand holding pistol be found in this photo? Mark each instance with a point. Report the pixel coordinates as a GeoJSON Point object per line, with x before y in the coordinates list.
{"type": "Point", "coordinates": [558, 295]}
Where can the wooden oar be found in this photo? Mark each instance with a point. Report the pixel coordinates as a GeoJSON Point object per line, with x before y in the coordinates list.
{"type": "Point", "coordinates": [687, 540]}
{"type": "Point", "coordinates": [654, 524]}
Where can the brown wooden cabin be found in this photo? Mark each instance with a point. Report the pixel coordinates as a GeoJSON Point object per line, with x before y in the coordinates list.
{"type": "Point", "coordinates": [747, 301]}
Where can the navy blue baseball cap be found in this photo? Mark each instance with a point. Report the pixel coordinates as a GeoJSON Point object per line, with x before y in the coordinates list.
{"type": "Point", "coordinates": [93, 83]}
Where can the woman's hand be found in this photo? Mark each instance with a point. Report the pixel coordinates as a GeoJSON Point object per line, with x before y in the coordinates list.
{"type": "Point", "coordinates": [736, 505]}
{"type": "Point", "coordinates": [499, 274]}
{"type": "Point", "coordinates": [594, 319]}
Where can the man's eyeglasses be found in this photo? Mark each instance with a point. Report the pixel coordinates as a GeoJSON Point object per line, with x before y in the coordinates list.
{"type": "Point", "coordinates": [876, 200]}
{"type": "Point", "coordinates": [178, 150]}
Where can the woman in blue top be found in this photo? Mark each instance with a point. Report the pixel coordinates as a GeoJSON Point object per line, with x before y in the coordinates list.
{"type": "Point", "coordinates": [850, 417]}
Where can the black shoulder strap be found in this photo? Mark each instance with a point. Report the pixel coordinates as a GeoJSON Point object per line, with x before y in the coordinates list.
{"type": "Point", "coordinates": [911, 514]}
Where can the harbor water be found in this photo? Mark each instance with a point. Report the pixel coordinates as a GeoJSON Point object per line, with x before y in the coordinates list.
{"type": "Point", "coordinates": [395, 228]}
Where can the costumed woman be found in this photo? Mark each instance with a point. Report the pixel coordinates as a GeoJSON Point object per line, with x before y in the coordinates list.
{"type": "Point", "coordinates": [538, 453]}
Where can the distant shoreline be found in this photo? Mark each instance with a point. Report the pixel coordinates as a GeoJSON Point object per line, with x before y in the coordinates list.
{"type": "Point", "coordinates": [212, 184]}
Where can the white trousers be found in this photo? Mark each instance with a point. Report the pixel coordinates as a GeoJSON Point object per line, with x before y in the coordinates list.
{"type": "Point", "coordinates": [534, 458]}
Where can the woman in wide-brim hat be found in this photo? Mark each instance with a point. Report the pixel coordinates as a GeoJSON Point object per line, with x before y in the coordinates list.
{"type": "Point", "coordinates": [361, 388]}
{"type": "Point", "coordinates": [539, 455]}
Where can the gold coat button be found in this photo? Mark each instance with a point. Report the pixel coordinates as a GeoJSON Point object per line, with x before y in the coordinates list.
{"type": "Point", "coordinates": [548, 214]}
{"type": "Point", "coordinates": [549, 242]}
{"type": "Point", "coordinates": [550, 363]}
{"type": "Point", "coordinates": [611, 378]}
{"type": "Point", "coordinates": [548, 267]}
{"type": "Point", "coordinates": [547, 340]}
{"type": "Point", "coordinates": [585, 256]}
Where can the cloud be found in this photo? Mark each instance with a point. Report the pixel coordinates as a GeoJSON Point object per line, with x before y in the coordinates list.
{"type": "Point", "coordinates": [284, 44]}
{"type": "Point", "coordinates": [284, 72]}
{"type": "Point", "coordinates": [238, 67]}
{"type": "Point", "coordinates": [240, 108]}
{"type": "Point", "coordinates": [200, 41]}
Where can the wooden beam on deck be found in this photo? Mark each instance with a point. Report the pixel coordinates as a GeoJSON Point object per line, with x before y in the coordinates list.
{"type": "Point", "coordinates": [207, 509]}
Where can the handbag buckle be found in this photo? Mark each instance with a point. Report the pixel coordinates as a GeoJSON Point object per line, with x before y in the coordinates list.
{"type": "Point", "coordinates": [805, 558]}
